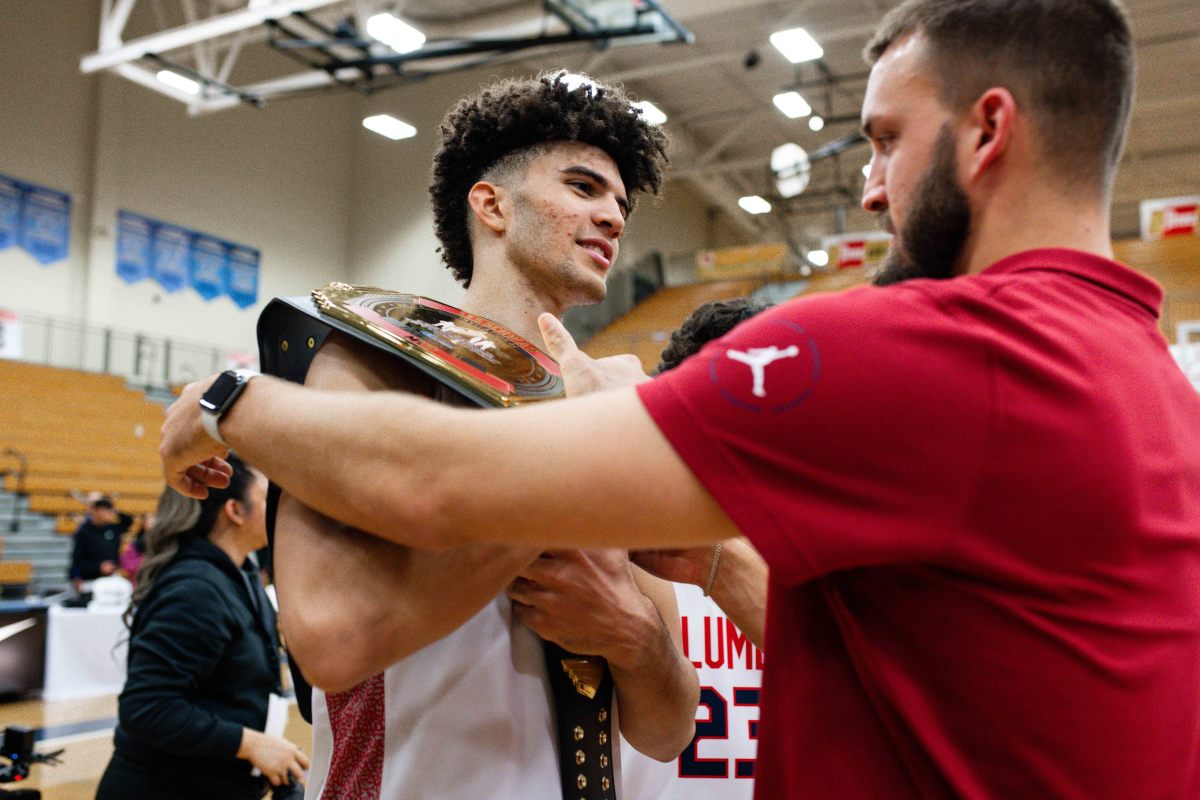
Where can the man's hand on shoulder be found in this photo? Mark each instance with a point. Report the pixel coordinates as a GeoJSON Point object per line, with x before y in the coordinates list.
{"type": "Point", "coordinates": [192, 460]}
{"type": "Point", "coordinates": [582, 373]}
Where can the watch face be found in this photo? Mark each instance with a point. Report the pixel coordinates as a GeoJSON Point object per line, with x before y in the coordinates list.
{"type": "Point", "coordinates": [219, 394]}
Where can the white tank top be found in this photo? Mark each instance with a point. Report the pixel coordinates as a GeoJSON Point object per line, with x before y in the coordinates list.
{"type": "Point", "coordinates": [467, 716]}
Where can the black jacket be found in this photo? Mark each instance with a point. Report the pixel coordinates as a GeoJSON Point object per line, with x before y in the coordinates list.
{"type": "Point", "coordinates": [94, 544]}
{"type": "Point", "coordinates": [202, 662]}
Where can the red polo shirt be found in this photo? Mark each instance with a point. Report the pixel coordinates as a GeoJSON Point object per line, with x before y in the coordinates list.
{"type": "Point", "coordinates": [980, 503]}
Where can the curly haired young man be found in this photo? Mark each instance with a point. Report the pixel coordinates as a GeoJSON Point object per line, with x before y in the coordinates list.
{"type": "Point", "coordinates": [434, 675]}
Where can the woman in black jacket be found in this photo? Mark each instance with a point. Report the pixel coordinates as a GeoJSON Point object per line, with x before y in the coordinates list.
{"type": "Point", "coordinates": [203, 657]}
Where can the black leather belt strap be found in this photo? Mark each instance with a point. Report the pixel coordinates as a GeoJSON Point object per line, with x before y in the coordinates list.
{"type": "Point", "coordinates": [585, 734]}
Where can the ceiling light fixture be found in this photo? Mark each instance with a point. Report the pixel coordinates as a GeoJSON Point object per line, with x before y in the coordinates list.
{"type": "Point", "coordinates": [867, 170]}
{"type": "Point", "coordinates": [753, 204]}
{"type": "Point", "coordinates": [389, 126]}
{"type": "Point", "coordinates": [650, 112]}
{"type": "Point", "coordinates": [816, 123]}
{"type": "Point", "coordinates": [395, 33]}
{"type": "Point", "coordinates": [791, 167]}
{"type": "Point", "coordinates": [792, 105]}
{"type": "Point", "coordinates": [177, 81]}
{"type": "Point", "coordinates": [797, 45]}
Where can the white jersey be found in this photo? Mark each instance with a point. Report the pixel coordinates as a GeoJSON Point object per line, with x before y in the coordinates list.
{"type": "Point", "coordinates": [719, 763]}
{"type": "Point", "coordinates": [468, 716]}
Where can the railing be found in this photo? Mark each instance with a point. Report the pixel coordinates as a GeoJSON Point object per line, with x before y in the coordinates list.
{"type": "Point", "coordinates": [142, 359]}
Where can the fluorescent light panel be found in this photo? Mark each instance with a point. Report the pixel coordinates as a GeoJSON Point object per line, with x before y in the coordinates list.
{"type": "Point", "coordinates": [177, 81]}
{"type": "Point", "coordinates": [797, 45]}
{"type": "Point", "coordinates": [389, 126]}
{"type": "Point", "coordinates": [650, 112]}
{"type": "Point", "coordinates": [792, 104]}
{"type": "Point", "coordinates": [395, 33]}
{"type": "Point", "coordinates": [753, 204]}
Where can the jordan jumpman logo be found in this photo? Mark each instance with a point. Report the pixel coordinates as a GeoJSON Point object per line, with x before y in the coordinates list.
{"type": "Point", "coordinates": [758, 358]}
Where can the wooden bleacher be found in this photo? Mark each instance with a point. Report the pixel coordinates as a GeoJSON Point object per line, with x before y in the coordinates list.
{"type": "Point", "coordinates": [79, 432]}
{"type": "Point", "coordinates": [646, 329]}
{"type": "Point", "coordinates": [1174, 263]}
{"type": "Point", "coordinates": [15, 572]}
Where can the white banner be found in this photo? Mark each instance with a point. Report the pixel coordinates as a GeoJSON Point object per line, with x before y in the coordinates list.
{"type": "Point", "coordinates": [1170, 216]}
{"type": "Point", "coordinates": [10, 334]}
{"type": "Point", "coordinates": [862, 249]}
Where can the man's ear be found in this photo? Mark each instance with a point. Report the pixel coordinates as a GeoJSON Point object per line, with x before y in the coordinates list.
{"type": "Point", "coordinates": [487, 203]}
{"type": "Point", "coordinates": [991, 118]}
{"type": "Point", "coordinates": [234, 510]}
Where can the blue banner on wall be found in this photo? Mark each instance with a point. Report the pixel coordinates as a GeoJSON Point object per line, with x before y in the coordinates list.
{"type": "Point", "coordinates": [177, 258]}
{"type": "Point", "coordinates": [10, 212]}
{"type": "Point", "coordinates": [46, 224]}
{"type": "Point", "coordinates": [36, 218]}
{"type": "Point", "coordinates": [169, 256]}
{"type": "Point", "coordinates": [134, 234]}
{"type": "Point", "coordinates": [242, 284]}
{"type": "Point", "coordinates": [208, 263]}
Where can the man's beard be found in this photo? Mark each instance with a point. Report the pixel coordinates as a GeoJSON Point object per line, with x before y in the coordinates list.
{"type": "Point", "coordinates": [936, 230]}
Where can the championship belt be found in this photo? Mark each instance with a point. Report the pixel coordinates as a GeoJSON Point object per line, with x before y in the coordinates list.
{"type": "Point", "coordinates": [492, 367]}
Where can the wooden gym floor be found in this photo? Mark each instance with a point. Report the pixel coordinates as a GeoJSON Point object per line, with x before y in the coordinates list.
{"type": "Point", "coordinates": [83, 729]}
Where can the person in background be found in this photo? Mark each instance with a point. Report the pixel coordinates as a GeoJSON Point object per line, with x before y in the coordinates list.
{"type": "Point", "coordinates": [96, 543]}
{"type": "Point", "coordinates": [203, 657]}
{"type": "Point", "coordinates": [133, 550]}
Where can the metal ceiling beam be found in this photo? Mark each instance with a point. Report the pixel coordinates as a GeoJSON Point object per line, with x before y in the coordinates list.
{"type": "Point", "coordinates": [668, 67]}
{"type": "Point", "coordinates": [185, 35]}
{"type": "Point", "coordinates": [729, 137]}
{"type": "Point", "coordinates": [734, 166]}
{"type": "Point", "coordinates": [112, 23]}
{"type": "Point", "coordinates": [717, 190]}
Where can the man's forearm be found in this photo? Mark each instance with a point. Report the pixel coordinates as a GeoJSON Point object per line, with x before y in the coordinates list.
{"type": "Point", "coordinates": [657, 691]}
{"type": "Point", "coordinates": [557, 474]}
{"type": "Point", "coordinates": [351, 604]}
{"type": "Point", "coordinates": [740, 587]}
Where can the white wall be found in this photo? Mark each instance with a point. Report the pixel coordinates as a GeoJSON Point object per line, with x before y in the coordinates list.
{"type": "Point", "coordinates": [301, 180]}
{"type": "Point", "coordinates": [45, 138]}
{"type": "Point", "coordinates": [278, 179]}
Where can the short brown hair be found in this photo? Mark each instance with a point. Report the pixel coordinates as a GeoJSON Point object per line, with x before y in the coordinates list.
{"type": "Point", "coordinates": [509, 122]}
{"type": "Point", "coordinates": [1069, 63]}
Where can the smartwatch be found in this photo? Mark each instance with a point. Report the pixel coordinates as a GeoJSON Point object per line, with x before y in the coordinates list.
{"type": "Point", "coordinates": [220, 398]}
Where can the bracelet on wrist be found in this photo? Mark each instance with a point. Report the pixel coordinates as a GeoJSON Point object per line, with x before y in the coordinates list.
{"type": "Point", "coordinates": [712, 572]}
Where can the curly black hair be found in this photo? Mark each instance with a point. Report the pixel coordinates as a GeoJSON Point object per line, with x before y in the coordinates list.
{"type": "Point", "coordinates": [507, 119]}
{"type": "Point", "coordinates": [710, 321]}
